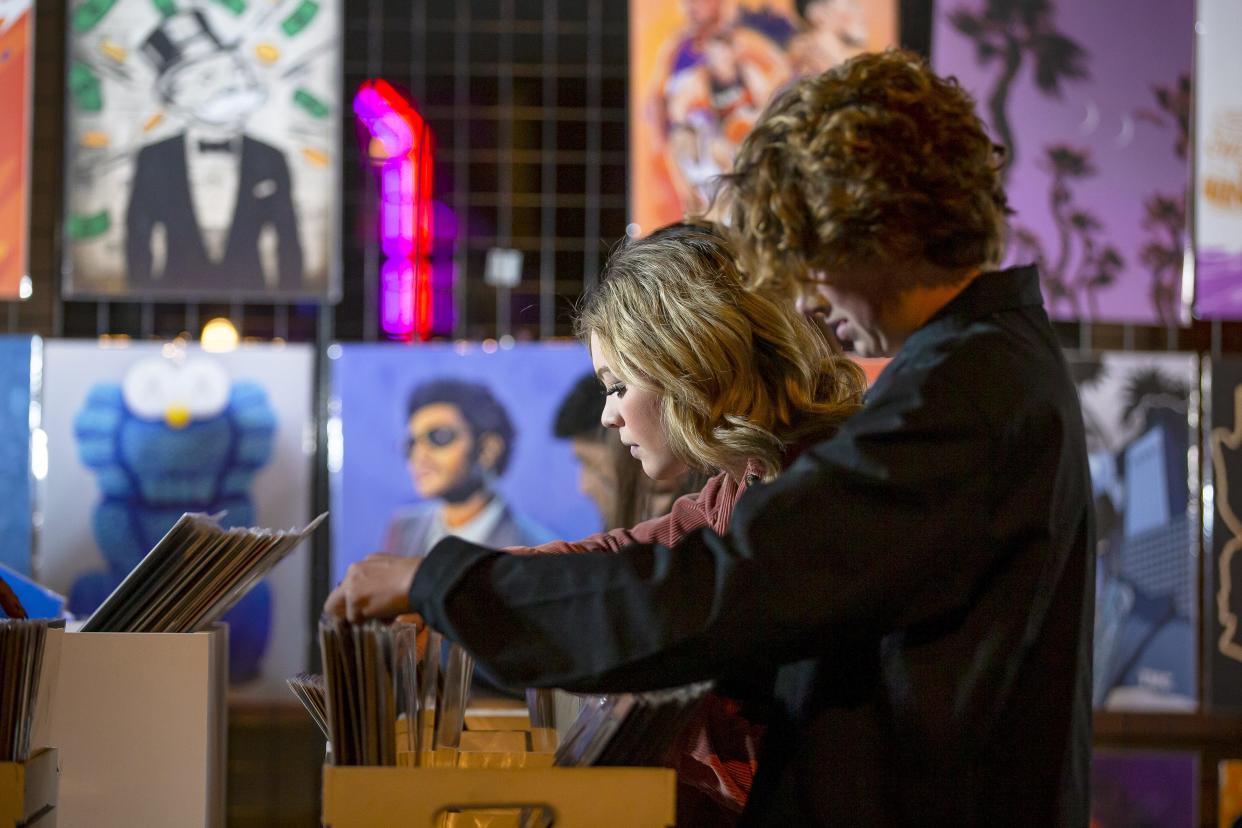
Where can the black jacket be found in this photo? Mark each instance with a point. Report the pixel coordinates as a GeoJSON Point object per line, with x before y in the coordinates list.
{"type": "Point", "coordinates": [915, 595]}
{"type": "Point", "coordinates": [160, 194]}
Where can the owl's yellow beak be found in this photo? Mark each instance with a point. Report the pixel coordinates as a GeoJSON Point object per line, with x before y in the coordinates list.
{"type": "Point", "coordinates": [177, 416]}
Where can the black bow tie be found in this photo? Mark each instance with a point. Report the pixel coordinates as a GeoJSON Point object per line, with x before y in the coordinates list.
{"type": "Point", "coordinates": [215, 146]}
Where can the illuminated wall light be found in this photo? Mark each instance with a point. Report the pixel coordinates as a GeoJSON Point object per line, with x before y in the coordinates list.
{"type": "Point", "coordinates": [219, 336]}
{"type": "Point", "coordinates": [401, 145]}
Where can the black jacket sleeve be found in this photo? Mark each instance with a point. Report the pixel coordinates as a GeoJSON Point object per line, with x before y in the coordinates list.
{"type": "Point", "coordinates": [878, 529]}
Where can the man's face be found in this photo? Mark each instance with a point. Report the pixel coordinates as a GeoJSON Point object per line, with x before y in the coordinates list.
{"type": "Point", "coordinates": [597, 475]}
{"type": "Point", "coordinates": [441, 449]}
{"type": "Point", "coordinates": [851, 315]}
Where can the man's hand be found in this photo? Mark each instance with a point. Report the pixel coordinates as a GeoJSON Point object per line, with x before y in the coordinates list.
{"type": "Point", "coordinates": [376, 587]}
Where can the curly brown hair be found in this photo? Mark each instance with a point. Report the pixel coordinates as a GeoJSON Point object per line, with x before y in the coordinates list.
{"type": "Point", "coordinates": [877, 161]}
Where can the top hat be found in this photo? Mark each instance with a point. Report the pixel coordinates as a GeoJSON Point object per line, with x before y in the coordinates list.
{"type": "Point", "coordinates": [181, 38]}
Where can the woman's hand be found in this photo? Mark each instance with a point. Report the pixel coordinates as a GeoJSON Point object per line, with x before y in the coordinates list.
{"type": "Point", "coordinates": [376, 587]}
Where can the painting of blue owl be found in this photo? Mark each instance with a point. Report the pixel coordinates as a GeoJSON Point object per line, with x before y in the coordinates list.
{"type": "Point", "coordinates": [174, 436]}
{"type": "Point", "coordinates": [168, 430]}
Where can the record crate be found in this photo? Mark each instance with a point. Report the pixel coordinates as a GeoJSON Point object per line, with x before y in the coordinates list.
{"type": "Point", "coordinates": [456, 797]}
{"type": "Point", "coordinates": [28, 791]}
{"type": "Point", "coordinates": [140, 722]}
{"type": "Point", "coordinates": [489, 780]}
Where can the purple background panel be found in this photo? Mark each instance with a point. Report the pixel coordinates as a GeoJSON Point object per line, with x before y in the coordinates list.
{"type": "Point", "coordinates": [1116, 253]}
{"type": "Point", "coordinates": [1218, 289]}
{"type": "Point", "coordinates": [1154, 789]}
{"type": "Point", "coordinates": [371, 384]}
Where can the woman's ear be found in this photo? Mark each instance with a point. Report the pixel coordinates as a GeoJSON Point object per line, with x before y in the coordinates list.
{"type": "Point", "coordinates": [491, 446]}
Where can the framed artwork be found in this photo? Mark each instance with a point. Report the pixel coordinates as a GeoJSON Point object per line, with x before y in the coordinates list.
{"type": "Point", "coordinates": [1141, 413]}
{"type": "Point", "coordinates": [16, 483]}
{"type": "Point", "coordinates": [140, 433]}
{"type": "Point", "coordinates": [1155, 789]}
{"type": "Point", "coordinates": [202, 149]}
{"type": "Point", "coordinates": [16, 79]}
{"type": "Point", "coordinates": [1091, 105]}
{"type": "Point", "coordinates": [1218, 171]}
{"type": "Point", "coordinates": [701, 72]}
{"type": "Point", "coordinates": [1222, 584]}
{"type": "Point", "coordinates": [433, 439]}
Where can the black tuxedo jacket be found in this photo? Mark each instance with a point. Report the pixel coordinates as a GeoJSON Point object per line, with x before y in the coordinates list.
{"type": "Point", "coordinates": [160, 194]}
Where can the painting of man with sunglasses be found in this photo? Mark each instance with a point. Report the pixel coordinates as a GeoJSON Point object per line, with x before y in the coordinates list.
{"type": "Point", "coordinates": [459, 441]}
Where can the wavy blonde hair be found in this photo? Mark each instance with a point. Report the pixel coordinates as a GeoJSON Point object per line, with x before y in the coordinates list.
{"type": "Point", "coordinates": [876, 161]}
{"type": "Point", "coordinates": [740, 375]}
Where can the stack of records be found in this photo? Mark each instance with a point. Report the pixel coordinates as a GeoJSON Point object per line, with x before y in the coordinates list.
{"type": "Point", "coordinates": [21, 659]}
{"type": "Point", "coordinates": [377, 674]}
{"type": "Point", "coordinates": [194, 575]}
{"type": "Point", "coordinates": [359, 662]}
{"type": "Point", "coordinates": [309, 689]}
{"type": "Point", "coordinates": [630, 729]}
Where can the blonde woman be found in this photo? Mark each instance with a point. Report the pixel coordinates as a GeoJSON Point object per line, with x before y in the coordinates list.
{"type": "Point", "coordinates": [703, 375]}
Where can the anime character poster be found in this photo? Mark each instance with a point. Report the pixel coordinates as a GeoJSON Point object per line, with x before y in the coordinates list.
{"type": "Point", "coordinates": [701, 72]}
{"type": "Point", "coordinates": [15, 477]}
{"type": "Point", "coordinates": [1222, 585]}
{"type": "Point", "coordinates": [1154, 789]}
{"type": "Point", "coordinates": [202, 148]}
{"type": "Point", "coordinates": [1218, 171]}
{"type": "Point", "coordinates": [137, 434]}
{"type": "Point", "coordinates": [439, 439]}
{"type": "Point", "coordinates": [16, 60]}
{"type": "Point", "coordinates": [1140, 412]}
{"type": "Point", "coordinates": [1091, 104]}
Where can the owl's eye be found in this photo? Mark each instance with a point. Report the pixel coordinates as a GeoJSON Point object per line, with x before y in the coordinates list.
{"type": "Point", "coordinates": [205, 388]}
{"type": "Point", "coordinates": [148, 388]}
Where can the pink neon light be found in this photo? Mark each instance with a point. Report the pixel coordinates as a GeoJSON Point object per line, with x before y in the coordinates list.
{"type": "Point", "coordinates": [402, 145]}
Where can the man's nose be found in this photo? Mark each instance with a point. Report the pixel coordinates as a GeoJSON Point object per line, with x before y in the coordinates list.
{"type": "Point", "coordinates": [811, 303]}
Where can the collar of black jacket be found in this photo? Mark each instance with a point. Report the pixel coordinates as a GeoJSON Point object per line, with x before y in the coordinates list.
{"type": "Point", "coordinates": [994, 291]}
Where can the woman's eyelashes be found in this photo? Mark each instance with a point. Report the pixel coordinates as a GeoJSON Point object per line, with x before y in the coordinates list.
{"type": "Point", "coordinates": [617, 388]}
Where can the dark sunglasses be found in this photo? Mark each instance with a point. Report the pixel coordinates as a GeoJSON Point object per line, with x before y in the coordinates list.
{"type": "Point", "coordinates": [436, 438]}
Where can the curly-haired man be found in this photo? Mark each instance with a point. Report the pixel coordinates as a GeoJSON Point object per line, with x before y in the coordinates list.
{"type": "Point", "coordinates": [913, 597]}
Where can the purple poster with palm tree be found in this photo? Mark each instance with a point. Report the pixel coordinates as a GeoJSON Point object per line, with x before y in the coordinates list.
{"type": "Point", "coordinates": [1092, 103]}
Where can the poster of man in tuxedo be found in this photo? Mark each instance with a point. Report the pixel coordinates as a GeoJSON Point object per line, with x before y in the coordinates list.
{"type": "Point", "coordinates": [203, 149]}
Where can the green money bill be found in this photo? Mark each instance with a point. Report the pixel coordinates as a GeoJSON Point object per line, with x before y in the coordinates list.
{"type": "Point", "coordinates": [166, 8]}
{"type": "Point", "coordinates": [235, 6]}
{"type": "Point", "coordinates": [300, 18]}
{"type": "Point", "coordinates": [88, 15]}
{"type": "Point", "coordinates": [85, 88]}
{"type": "Point", "coordinates": [310, 103]}
{"type": "Point", "coordinates": [89, 226]}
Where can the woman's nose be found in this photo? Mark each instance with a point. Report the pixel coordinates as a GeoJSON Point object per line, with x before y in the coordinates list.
{"type": "Point", "coordinates": [611, 417]}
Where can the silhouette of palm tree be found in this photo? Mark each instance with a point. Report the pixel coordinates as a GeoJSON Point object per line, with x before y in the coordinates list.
{"type": "Point", "coordinates": [1165, 218]}
{"type": "Point", "coordinates": [1165, 215]}
{"type": "Point", "coordinates": [1083, 266]}
{"type": "Point", "coordinates": [1010, 31]}
{"type": "Point", "coordinates": [1149, 387]}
